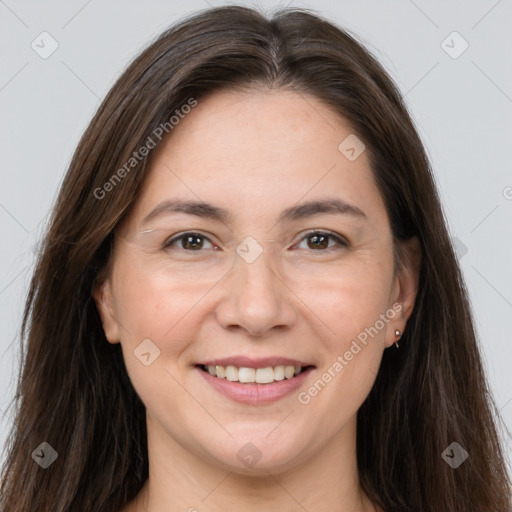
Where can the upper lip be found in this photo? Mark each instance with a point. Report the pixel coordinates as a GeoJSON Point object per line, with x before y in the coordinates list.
{"type": "Point", "coordinates": [249, 362]}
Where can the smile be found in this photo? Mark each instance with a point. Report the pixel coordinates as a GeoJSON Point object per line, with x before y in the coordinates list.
{"type": "Point", "coordinates": [243, 384]}
{"type": "Point", "coordinates": [243, 374]}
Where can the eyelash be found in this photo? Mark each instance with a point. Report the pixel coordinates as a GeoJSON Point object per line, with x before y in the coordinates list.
{"type": "Point", "coordinates": [343, 243]}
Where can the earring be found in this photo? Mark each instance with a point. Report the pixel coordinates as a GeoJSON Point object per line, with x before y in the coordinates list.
{"type": "Point", "coordinates": [399, 334]}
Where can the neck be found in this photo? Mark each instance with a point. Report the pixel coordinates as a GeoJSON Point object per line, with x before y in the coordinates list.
{"type": "Point", "coordinates": [180, 479]}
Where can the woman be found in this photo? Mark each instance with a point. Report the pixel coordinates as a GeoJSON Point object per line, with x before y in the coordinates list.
{"type": "Point", "coordinates": [247, 296]}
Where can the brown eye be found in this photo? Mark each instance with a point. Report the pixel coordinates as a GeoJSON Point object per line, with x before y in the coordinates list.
{"type": "Point", "coordinates": [319, 240]}
{"type": "Point", "coordinates": [189, 242]}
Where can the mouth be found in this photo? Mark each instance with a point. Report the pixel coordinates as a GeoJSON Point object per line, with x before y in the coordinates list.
{"type": "Point", "coordinates": [248, 375]}
{"type": "Point", "coordinates": [255, 386]}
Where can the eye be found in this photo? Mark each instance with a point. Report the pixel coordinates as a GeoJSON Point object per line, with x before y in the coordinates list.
{"type": "Point", "coordinates": [320, 240]}
{"type": "Point", "coordinates": [189, 241]}
{"type": "Point", "coordinates": [194, 242]}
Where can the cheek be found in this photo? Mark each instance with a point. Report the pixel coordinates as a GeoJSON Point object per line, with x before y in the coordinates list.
{"type": "Point", "coordinates": [155, 313]}
{"type": "Point", "coordinates": [354, 312]}
{"type": "Point", "coordinates": [152, 301]}
{"type": "Point", "coordinates": [351, 362]}
{"type": "Point", "coordinates": [348, 301]}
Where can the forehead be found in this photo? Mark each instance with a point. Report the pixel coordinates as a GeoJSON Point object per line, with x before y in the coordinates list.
{"type": "Point", "coordinates": [258, 150]}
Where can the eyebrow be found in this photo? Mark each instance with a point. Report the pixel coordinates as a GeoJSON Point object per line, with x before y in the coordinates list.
{"type": "Point", "coordinates": [294, 213]}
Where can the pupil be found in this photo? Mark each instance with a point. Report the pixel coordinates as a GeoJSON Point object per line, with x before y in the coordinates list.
{"type": "Point", "coordinates": [192, 241]}
{"type": "Point", "coordinates": [318, 238]}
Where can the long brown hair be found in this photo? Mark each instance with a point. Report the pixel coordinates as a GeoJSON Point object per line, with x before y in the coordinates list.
{"type": "Point", "coordinates": [73, 389]}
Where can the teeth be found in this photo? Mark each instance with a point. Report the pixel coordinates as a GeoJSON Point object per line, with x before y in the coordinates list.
{"type": "Point", "coordinates": [246, 375]}
{"type": "Point", "coordinates": [254, 375]}
{"type": "Point", "coordinates": [262, 375]}
{"type": "Point", "coordinates": [231, 373]}
{"type": "Point", "coordinates": [279, 373]}
{"type": "Point", "coordinates": [220, 372]}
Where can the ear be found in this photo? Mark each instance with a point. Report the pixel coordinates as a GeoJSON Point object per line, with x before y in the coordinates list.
{"type": "Point", "coordinates": [102, 293]}
{"type": "Point", "coordinates": [405, 287]}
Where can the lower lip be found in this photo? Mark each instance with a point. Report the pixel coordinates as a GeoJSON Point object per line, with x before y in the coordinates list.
{"type": "Point", "coordinates": [256, 394]}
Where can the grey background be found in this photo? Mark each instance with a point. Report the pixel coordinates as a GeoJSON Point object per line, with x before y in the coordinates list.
{"type": "Point", "coordinates": [462, 107]}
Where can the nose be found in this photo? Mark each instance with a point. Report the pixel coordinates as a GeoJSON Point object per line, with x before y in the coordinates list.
{"type": "Point", "coordinates": [255, 297]}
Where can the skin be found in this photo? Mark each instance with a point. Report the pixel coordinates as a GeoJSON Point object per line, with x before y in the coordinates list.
{"type": "Point", "coordinates": [254, 153]}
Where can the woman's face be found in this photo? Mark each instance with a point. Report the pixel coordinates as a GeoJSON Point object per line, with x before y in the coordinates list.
{"type": "Point", "coordinates": [271, 268]}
